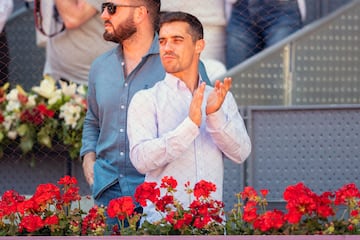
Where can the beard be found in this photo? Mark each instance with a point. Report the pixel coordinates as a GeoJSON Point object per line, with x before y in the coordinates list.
{"type": "Point", "coordinates": [122, 32]}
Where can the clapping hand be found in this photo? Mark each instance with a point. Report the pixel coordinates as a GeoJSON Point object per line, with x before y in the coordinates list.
{"type": "Point", "coordinates": [195, 106]}
{"type": "Point", "coordinates": [217, 96]}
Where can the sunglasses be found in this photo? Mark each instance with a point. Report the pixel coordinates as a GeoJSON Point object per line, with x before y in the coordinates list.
{"type": "Point", "coordinates": [111, 7]}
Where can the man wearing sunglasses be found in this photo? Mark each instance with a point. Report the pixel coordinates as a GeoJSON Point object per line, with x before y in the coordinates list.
{"type": "Point", "coordinates": [113, 80]}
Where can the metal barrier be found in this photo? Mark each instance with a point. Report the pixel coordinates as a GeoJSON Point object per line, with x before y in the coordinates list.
{"type": "Point", "coordinates": [318, 145]}
{"type": "Point", "coordinates": [319, 64]}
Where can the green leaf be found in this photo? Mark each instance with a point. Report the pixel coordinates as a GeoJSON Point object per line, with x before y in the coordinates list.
{"type": "Point", "coordinates": [22, 130]}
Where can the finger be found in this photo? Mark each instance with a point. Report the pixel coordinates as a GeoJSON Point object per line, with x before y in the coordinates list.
{"type": "Point", "coordinates": [228, 83]}
{"type": "Point", "coordinates": [199, 92]}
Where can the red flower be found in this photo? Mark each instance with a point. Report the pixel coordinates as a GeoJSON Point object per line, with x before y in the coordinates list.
{"type": "Point", "coordinates": [23, 99]}
{"type": "Point", "coordinates": [169, 183]}
{"type": "Point", "coordinates": [32, 116]}
{"type": "Point", "coordinates": [201, 221]}
{"type": "Point", "coordinates": [270, 220]}
{"type": "Point", "coordinates": [121, 207]}
{"type": "Point", "coordinates": [264, 192]}
{"type": "Point", "coordinates": [9, 202]}
{"type": "Point", "coordinates": [163, 202]}
{"type": "Point", "coordinates": [2, 118]}
{"type": "Point", "coordinates": [31, 223]}
{"type": "Point", "coordinates": [177, 221]}
{"type": "Point", "coordinates": [67, 180]}
{"type": "Point", "coordinates": [147, 191]}
{"type": "Point", "coordinates": [72, 194]}
{"type": "Point", "coordinates": [93, 221]}
{"type": "Point", "coordinates": [46, 193]}
{"type": "Point", "coordinates": [27, 206]}
{"type": "Point", "coordinates": [250, 212]}
{"type": "Point", "coordinates": [42, 108]}
{"type": "Point", "coordinates": [204, 189]}
{"type": "Point", "coordinates": [300, 201]}
{"type": "Point", "coordinates": [346, 194]}
{"type": "Point", "coordinates": [52, 220]}
{"type": "Point", "coordinates": [324, 205]}
{"type": "Point", "coordinates": [249, 193]}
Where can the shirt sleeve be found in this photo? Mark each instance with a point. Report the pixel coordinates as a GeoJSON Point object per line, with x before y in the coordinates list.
{"type": "Point", "coordinates": [228, 131]}
{"type": "Point", "coordinates": [148, 151]}
{"type": "Point", "coordinates": [91, 127]}
{"type": "Point", "coordinates": [6, 7]}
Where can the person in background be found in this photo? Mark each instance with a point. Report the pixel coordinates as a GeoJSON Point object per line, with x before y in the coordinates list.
{"type": "Point", "coordinates": [115, 76]}
{"type": "Point", "coordinates": [181, 127]}
{"type": "Point", "coordinates": [257, 24]}
{"type": "Point", "coordinates": [6, 7]}
{"type": "Point", "coordinates": [70, 52]}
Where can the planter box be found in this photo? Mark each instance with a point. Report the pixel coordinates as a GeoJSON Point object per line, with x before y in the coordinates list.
{"type": "Point", "coordinates": [232, 237]}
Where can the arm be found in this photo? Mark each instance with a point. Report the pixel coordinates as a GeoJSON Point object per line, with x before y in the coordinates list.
{"type": "Point", "coordinates": [6, 7]}
{"type": "Point", "coordinates": [88, 167]}
{"type": "Point", "coordinates": [225, 125]}
{"type": "Point", "coordinates": [148, 150]}
{"type": "Point", "coordinates": [90, 135]}
{"type": "Point", "coordinates": [74, 13]}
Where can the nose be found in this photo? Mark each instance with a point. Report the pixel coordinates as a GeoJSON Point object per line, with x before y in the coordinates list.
{"type": "Point", "coordinates": [167, 46]}
{"type": "Point", "coordinates": [105, 15]}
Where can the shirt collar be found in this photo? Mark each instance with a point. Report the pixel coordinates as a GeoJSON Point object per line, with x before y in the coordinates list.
{"type": "Point", "coordinates": [175, 82]}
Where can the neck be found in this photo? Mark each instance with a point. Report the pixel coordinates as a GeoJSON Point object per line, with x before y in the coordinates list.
{"type": "Point", "coordinates": [138, 45]}
{"type": "Point", "coordinates": [190, 76]}
{"type": "Point", "coordinates": [190, 80]}
{"type": "Point", "coordinates": [134, 49]}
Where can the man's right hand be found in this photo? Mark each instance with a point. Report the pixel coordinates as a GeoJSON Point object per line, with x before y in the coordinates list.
{"type": "Point", "coordinates": [195, 106]}
{"type": "Point", "coordinates": [88, 167]}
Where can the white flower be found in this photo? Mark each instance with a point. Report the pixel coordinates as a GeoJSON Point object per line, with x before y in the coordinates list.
{"type": "Point", "coordinates": [81, 90]}
{"type": "Point", "coordinates": [12, 106]}
{"type": "Point", "coordinates": [68, 89]}
{"type": "Point", "coordinates": [13, 95]}
{"type": "Point", "coordinates": [31, 101]}
{"type": "Point", "coordinates": [70, 113]}
{"type": "Point", "coordinates": [8, 121]}
{"type": "Point", "coordinates": [12, 135]}
{"type": "Point", "coordinates": [57, 95]}
{"type": "Point", "coordinates": [47, 88]}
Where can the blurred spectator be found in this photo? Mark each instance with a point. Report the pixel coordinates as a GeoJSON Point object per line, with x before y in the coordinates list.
{"type": "Point", "coordinates": [257, 24]}
{"type": "Point", "coordinates": [70, 53]}
{"type": "Point", "coordinates": [213, 15]}
{"type": "Point", "coordinates": [6, 7]}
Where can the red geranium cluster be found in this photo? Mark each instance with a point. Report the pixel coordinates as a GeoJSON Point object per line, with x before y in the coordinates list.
{"type": "Point", "coordinates": [50, 212]}
{"type": "Point", "coordinates": [47, 212]}
{"type": "Point", "coordinates": [94, 222]}
{"type": "Point", "coordinates": [204, 215]}
{"type": "Point", "coordinates": [307, 212]}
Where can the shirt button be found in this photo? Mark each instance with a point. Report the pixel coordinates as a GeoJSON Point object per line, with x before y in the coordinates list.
{"type": "Point", "coordinates": [122, 106]}
{"type": "Point", "coordinates": [121, 175]}
{"type": "Point", "coordinates": [125, 84]}
{"type": "Point", "coordinates": [121, 130]}
{"type": "Point", "coordinates": [121, 153]}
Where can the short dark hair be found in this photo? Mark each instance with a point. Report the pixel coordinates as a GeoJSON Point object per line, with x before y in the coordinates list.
{"type": "Point", "coordinates": [195, 26]}
{"type": "Point", "coordinates": [153, 7]}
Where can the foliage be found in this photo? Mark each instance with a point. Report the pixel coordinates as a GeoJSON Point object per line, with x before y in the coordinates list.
{"type": "Point", "coordinates": [51, 211]}
{"type": "Point", "coordinates": [307, 213]}
{"type": "Point", "coordinates": [45, 114]}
